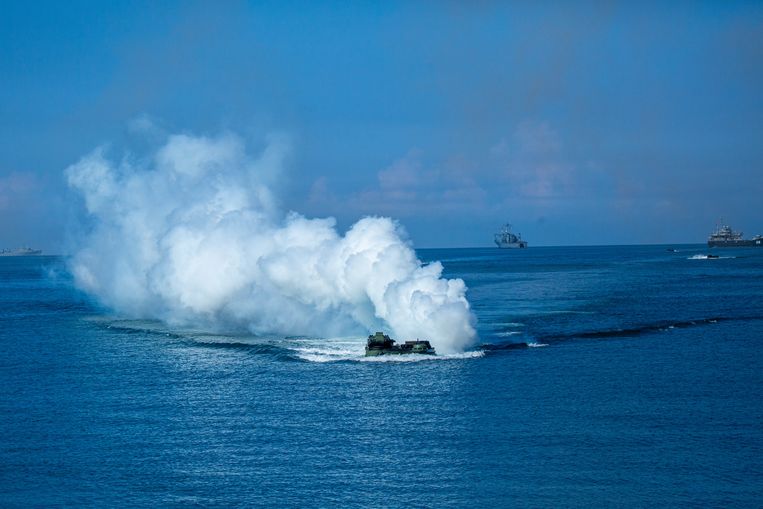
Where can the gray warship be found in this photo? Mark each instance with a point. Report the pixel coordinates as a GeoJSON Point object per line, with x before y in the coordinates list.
{"type": "Point", "coordinates": [381, 344]}
{"type": "Point", "coordinates": [22, 251]}
{"type": "Point", "coordinates": [506, 239]}
{"type": "Point", "coordinates": [724, 236]}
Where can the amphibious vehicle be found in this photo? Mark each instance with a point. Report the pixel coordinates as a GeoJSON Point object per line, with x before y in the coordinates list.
{"type": "Point", "coordinates": [381, 344]}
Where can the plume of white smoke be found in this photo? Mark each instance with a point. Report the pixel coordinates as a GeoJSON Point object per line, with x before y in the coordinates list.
{"type": "Point", "coordinates": [194, 236]}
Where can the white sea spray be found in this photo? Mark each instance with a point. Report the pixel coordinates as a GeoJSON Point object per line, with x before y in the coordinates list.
{"type": "Point", "coordinates": [194, 236]}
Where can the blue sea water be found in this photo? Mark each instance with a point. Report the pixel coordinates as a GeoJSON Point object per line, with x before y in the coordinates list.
{"type": "Point", "coordinates": [642, 385]}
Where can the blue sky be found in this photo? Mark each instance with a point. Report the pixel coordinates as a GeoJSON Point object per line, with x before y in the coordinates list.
{"type": "Point", "coordinates": [580, 123]}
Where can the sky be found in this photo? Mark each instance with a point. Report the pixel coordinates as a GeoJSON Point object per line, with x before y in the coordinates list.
{"type": "Point", "coordinates": [579, 123]}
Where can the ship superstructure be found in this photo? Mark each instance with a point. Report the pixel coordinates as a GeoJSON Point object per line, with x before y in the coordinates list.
{"type": "Point", "coordinates": [725, 236]}
{"type": "Point", "coordinates": [506, 239]}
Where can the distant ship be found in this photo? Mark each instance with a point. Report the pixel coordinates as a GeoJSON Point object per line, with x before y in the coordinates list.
{"type": "Point", "coordinates": [22, 251]}
{"type": "Point", "coordinates": [506, 239]}
{"type": "Point", "coordinates": [724, 236]}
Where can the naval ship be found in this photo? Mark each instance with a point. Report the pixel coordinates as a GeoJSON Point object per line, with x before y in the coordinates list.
{"type": "Point", "coordinates": [724, 236]}
{"type": "Point", "coordinates": [506, 239]}
{"type": "Point", "coordinates": [22, 251]}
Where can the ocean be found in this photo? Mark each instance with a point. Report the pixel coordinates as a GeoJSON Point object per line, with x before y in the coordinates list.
{"type": "Point", "coordinates": [622, 376]}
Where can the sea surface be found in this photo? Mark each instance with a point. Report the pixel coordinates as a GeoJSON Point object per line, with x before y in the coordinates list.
{"type": "Point", "coordinates": [640, 385]}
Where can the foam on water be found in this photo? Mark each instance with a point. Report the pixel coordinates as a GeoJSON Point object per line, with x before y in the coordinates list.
{"type": "Point", "coordinates": [708, 257]}
{"type": "Point", "coordinates": [312, 349]}
{"type": "Point", "coordinates": [350, 349]}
